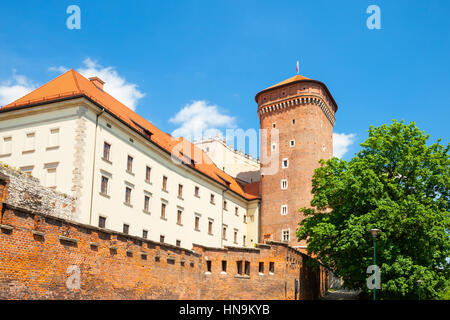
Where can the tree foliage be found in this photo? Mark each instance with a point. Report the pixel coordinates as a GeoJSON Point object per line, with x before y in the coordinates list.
{"type": "Point", "coordinates": [398, 184]}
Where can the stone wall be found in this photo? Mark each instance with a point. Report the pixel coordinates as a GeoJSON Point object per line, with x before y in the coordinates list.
{"type": "Point", "coordinates": [26, 192]}
{"type": "Point", "coordinates": [43, 256]}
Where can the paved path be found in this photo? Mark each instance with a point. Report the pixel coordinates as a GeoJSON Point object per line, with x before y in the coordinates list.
{"type": "Point", "coordinates": [341, 295]}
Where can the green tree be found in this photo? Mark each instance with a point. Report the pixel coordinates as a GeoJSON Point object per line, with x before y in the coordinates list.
{"type": "Point", "coordinates": [398, 184]}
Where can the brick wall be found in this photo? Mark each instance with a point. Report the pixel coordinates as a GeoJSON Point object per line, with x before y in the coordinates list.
{"type": "Point", "coordinates": [40, 256]}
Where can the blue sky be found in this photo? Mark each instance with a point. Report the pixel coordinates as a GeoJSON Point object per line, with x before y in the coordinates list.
{"type": "Point", "coordinates": [216, 55]}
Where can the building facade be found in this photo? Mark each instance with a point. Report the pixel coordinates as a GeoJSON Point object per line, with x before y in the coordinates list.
{"type": "Point", "coordinates": [236, 163]}
{"type": "Point", "coordinates": [128, 176]}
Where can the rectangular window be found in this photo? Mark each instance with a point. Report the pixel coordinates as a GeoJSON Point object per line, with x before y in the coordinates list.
{"type": "Point", "coordinates": [212, 198]}
{"type": "Point", "coordinates": [27, 170]}
{"type": "Point", "coordinates": [197, 192]}
{"type": "Point", "coordinates": [235, 236]}
{"type": "Point", "coordinates": [272, 267]}
{"type": "Point", "coordinates": [208, 266]}
{"type": "Point", "coordinates": [106, 151]}
{"type": "Point", "coordinates": [285, 235]}
{"type": "Point", "coordinates": [127, 195]}
{"type": "Point", "coordinates": [104, 185]}
{"type": "Point", "coordinates": [224, 232]}
{"type": "Point", "coordinates": [102, 222]}
{"type": "Point", "coordinates": [164, 183]}
{"type": "Point", "coordinates": [261, 268]}
{"type": "Point", "coordinates": [163, 210]}
{"type": "Point", "coordinates": [197, 223]}
{"type": "Point", "coordinates": [224, 204]}
{"type": "Point", "coordinates": [284, 210]}
{"type": "Point", "coordinates": [210, 226]}
{"type": "Point", "coordinates": [51, 177]}
{"type": "Point", "coordinates": [244, 240]}
{"type": "Point", "coordinates": [180, 191]}
{"type": "Point", "coordinates": [53, 140]}
{"type": "Point", "coordinates": [178, 243]}
{"type": "Point", "coordinates": [146, 203]}
{"type": "Point", "coordinates": [224, 265]}
{"type": "Point", "coordinates": [130, 164]}
{"type": "Point", "coordinates": [236, 211]}
{"type": "Point", "coordinates": [284, 184]}
{"type": "Point", "coordinates": [179, 214]}
{"type": "Point", "coordinates": [29, 141]}
{"type": "Point", "coordinates": [239, 267]}
{"type": "Point", "coordinates": [247, 268]}
{"type": "Point", "coordinates": [148, 172]}
{"type": "Point", "coordinates": [245, 218]}
{"type": "Point", "coordinates": [274, 147]}
{"type": "Point", "coordinates": [7, 145]}
{"type": "Point", "coordinates": [292, 143]}
{"type": "Point", "coordinates": [144, 234]}
{"type": "Point", "coordinates": [285, 163]}
{"type": "Point", "coordinates": [161, 238]}
{"type": "Point", "coordinates": [126, 228]}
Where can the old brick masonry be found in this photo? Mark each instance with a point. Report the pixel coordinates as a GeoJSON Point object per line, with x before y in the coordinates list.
{"type": "Point", "coordinates": [40, 247]}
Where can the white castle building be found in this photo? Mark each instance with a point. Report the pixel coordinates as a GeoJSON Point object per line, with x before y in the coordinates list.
{"type": "Point", "coordinates": [126, 174]}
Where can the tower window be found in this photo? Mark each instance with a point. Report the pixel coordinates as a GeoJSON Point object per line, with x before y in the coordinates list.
{"type": "Point", "coordinates": [293, 121]}
{"type": "Point", "coordinates": [274, 125]}
{"type": "Point", "coordinates": [285, 235]}
{"type": "Point", "coordinates": [272, 267]}
{"type": "Point", "coordinates": [292, 143]}
{"type": "Point", "coordinates": [285, 163]}
{"type": "Point", "coordinates": [274, 146]}
{"type": "Point", "coordinates": [284, 184]}
{"type": "Point", "coordinates": [284, 209]}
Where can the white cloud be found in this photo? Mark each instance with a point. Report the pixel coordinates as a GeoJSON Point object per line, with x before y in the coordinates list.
{"type": "Point", "coordinates": [200, 119]}
{"type": "Point", "coordinates": [341, 143]}
{"type": "Point", "coordinates": [60, 69]}
{"type": "Point", "coordinates": [115, 85]}
{"type": "Point", "coordinates": [15, 88]}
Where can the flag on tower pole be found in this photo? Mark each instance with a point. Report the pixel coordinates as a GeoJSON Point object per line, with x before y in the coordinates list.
{"type": "Point", "coordinates": [297, 66]}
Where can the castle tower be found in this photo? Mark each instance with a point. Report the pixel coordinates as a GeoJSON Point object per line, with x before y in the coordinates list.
{"type": "Point", "coordinates": [303, 112]}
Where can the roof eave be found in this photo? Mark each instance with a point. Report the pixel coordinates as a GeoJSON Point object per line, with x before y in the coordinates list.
{"type": "Point", "coordinates": [298, 81]}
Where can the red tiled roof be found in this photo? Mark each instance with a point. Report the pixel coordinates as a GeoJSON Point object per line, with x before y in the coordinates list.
{"type": "Point", "coordinates": [293, 79]}
{"type": "Point", "coordinates": [72, 84]}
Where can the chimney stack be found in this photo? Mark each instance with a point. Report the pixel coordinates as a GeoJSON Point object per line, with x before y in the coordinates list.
{"type": "Point", "coordinates": [97, 82]}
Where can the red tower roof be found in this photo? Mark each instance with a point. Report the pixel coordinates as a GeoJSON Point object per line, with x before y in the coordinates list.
{"type": "Point", "coordinates": [296, 78]}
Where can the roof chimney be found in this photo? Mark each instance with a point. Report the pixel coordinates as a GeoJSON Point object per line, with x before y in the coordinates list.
{"type": "Point", "coordinates": [97, 82]}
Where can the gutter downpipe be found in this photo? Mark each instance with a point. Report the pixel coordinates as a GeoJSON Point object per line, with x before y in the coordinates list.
{"type": "Point", "coordinates": [93, 164]}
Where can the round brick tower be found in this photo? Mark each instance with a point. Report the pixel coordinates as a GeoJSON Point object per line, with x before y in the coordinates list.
{"type": "Point", "coordinates": [302, 111]}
